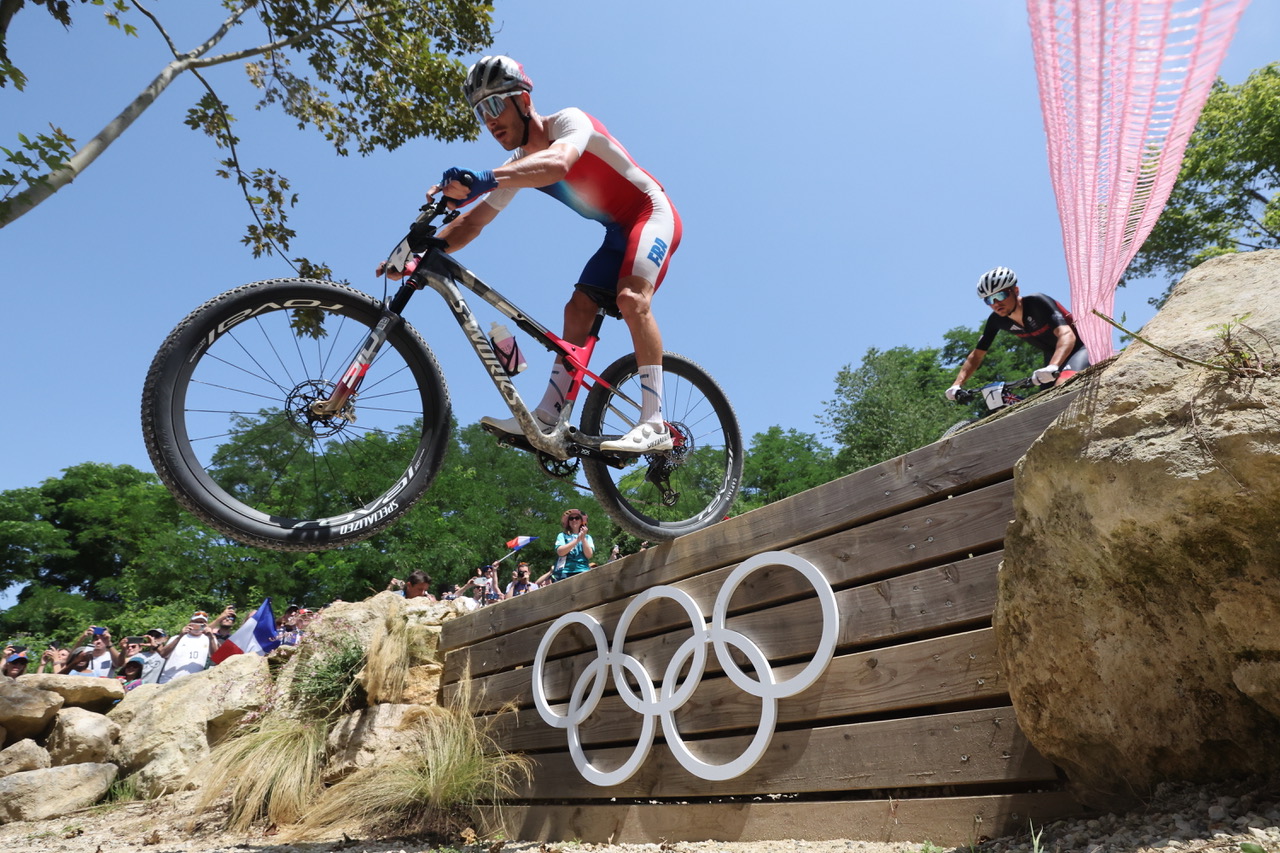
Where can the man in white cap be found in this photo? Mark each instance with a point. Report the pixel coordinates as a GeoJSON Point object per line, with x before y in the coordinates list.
{"type": "Point", "coordinates": [188, 651]}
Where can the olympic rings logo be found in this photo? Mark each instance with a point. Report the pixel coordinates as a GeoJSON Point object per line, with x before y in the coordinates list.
{"type": "Point", "coordinates": [661, 701]}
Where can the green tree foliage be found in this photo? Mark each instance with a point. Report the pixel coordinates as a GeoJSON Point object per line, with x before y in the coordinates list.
{"type": "Point", "coordinates": [781, 463]}
{"type": "Point", "coordinates": [105, 544]}
{"type": "Point", "coordinates": [891, 403]}
{"type": "Point", "coordinates": [368, 76]}
{"type": "Point", "coordinates": [1227, 198]}
{"type": "Point", "coordinates": [894, 402]}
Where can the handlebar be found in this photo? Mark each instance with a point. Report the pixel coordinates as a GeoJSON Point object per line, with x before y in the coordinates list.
{"type": "Point", "coordinates": [422, 233]}
{"type": "Point", "coordinates": [968, 395]}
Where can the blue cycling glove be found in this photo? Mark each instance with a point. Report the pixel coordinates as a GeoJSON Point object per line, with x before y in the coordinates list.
{"type": "Point", "coordinates": [478, 182]}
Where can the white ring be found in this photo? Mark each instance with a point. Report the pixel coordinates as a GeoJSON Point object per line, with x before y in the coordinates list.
{"type": "Point", "coordinates": [826, 643]}
{"type": "Point", "coordinates": [670, 701]}
{"type": "Point", "coordinates": [596, 669]}
{"type": "Point", "coordinates": [754, 751]}
{"type": "Point", "coordinates": [654, 702]}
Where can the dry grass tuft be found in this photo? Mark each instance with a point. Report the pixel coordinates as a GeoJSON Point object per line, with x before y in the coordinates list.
{"type": "Point", "coordinates": [386, 668]}
{"type": "Point", "coordinates": [450, 769]}
{"type": "Point", "coordinates": [271, 769]}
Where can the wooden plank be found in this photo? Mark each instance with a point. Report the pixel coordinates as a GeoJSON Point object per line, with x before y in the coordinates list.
{"type": "Point", "coordinates": [970, 523]}
{"type": "Point", "coordinates": [948, 597]}
{"type": "Point", "coordinates": [960, 668]}
{"type": "Point", "coordinates": [958, 748]}
{"type": "Point", "coordinates": [944, 468]}
{"type": "Point", "coordinates": [944, 821]}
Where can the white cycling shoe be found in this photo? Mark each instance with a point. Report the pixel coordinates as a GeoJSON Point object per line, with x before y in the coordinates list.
{"type": "Point", "coordinates": [643, 438]}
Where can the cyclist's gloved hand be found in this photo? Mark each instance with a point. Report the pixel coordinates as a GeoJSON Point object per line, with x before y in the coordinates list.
{"type": "Point", "coordinates": [474, 184]}
{"type": "Point", "coordinates": [1046, 375]}
{"type": "Point", "coordinates": [951, 392]}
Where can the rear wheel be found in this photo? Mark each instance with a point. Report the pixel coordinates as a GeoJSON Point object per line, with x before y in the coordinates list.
{"type": "Point", "coordinates": [227, 418]}
{"type": "Point", "coordinates": [659, 496]}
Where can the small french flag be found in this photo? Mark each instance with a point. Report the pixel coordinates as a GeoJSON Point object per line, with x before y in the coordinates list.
{"type": "Point", "coordinates": [519, 542]}
{"type": "Point", "coordinates": [256, 635]}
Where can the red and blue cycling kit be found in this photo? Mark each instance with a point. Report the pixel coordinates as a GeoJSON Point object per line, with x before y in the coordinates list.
{"type": "Point", "coordinates": [1041, 314]}
{"type": "Point", "coordinates": [642, 227]}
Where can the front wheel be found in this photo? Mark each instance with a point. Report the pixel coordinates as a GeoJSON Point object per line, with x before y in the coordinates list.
{"type": "Point", "coordinates": [229, 422]}
{"type": "Point", "coordinates": [659, 496]}
{"type": "Point", "coordinates": [959, 425]}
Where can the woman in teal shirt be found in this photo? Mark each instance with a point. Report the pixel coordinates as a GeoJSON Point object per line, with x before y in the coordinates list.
{"type": "Point", "coordinates": [574, 547]}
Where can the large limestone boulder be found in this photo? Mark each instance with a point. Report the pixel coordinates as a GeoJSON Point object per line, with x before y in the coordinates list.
{"type": "Point", "coordinates": [1138, 612]}
{"type": "Point", "coordinates": [26, 711]}
{"type": "Point", "coordinates": [38, 794]}
{"type": "Point", "coordinates": [166, 730]}
{"type": "Point", "coordinates": [365, 738]}
{"type": "Point", "coordinates": [95, 694]}
{"type": "Point", "coordinates": [80, 736]}
{"type": "Point", "coordinates": [24, 755]}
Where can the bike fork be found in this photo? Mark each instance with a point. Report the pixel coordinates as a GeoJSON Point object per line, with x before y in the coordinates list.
{"type": "Point", "coordinates": [339, 403]}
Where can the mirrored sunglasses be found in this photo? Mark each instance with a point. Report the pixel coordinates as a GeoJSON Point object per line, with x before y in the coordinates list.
{"type": "Point", "coordinates": [492, 106]}
{"type": "Point", "coordinates": [997, 297]}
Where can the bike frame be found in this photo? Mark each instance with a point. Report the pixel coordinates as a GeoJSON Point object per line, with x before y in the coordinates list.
{"type": "Point", "coordinates": [440, 272]}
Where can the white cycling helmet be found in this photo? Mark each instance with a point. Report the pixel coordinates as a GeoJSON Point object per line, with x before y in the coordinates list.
{"type": "Point", "coordinates": [495, 75]}
{"type": "Point", "coordinates": [996, 280]}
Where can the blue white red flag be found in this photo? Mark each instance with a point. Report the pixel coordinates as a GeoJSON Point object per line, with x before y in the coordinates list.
{"type": "Point", "coordinates": [519, 542]}
{"type": "Point", "coordinates": [257, 635]}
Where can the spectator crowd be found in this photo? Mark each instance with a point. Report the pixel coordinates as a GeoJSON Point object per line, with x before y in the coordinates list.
{"type": "Point", "coordinates": [158, 657]}
{"type": "Point", "coordinates": [155, 657]}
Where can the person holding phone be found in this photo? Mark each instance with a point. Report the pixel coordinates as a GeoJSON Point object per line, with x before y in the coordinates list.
{"type": "Point", "coordinates": [15, 664]}
{"type": "Point", "coordinates": [225, 625]}
{"type": "Point", "coordinates": [106, 657]}
{"type": "Point", "coordinates": [520, 582]}
{"type": "Point", "coordinates": [54, 659]}
{"type": "Point", "coordinates": [152, 662]}
{"type": "Point", "coordinates": [188, 651]}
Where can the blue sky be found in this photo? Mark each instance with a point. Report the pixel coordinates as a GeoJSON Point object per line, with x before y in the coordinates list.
{"type": "Point", "coordinates": [845, 171]}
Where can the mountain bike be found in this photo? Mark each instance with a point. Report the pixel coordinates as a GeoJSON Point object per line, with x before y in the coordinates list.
{"type": "Point", "coordinates": [995, 396]}
{"type": "Point", "coordinates": [303, 415]}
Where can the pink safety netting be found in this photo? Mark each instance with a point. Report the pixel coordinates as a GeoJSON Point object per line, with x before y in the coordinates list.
{"type": "Point", "coordinates": [1122, 84]}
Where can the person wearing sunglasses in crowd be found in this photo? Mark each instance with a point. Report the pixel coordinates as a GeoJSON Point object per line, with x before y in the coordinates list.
{"type": "Point", "coordinates": [1036, 318]}
{"type": "Point", "coordinates": [574, 547]}
{"type": "Point", "coordinates": [571, 157]}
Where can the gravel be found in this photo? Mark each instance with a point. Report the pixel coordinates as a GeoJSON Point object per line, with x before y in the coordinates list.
{"type": "Point", "coordinates": [1240, 818]}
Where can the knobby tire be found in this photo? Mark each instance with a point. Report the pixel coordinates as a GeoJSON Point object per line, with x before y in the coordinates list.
{"type": "Point", "coordinates": [225, 414]}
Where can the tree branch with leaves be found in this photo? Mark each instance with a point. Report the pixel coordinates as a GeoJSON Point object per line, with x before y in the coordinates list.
{"type": "Point", "coordinates": [368, 75]}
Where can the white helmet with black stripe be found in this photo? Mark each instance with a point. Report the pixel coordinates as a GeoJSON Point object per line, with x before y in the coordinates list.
{"type": "Point", "coordinates": [996, 280]}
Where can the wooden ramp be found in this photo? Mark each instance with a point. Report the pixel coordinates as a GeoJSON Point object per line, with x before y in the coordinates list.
{"type": "Point", "coordinates": [876, 590]}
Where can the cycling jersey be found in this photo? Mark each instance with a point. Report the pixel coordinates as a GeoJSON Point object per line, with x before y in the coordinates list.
{"type": "Point", "coordinates": [1041, 314]}
{"type": "Point", "coordinates": [642, 227]}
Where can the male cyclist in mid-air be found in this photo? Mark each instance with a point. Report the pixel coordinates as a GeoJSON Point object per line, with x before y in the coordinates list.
{"type": "Point", "coordinates": [570, 156]}
{"type": "Point", "coordinates": [1036, 318]}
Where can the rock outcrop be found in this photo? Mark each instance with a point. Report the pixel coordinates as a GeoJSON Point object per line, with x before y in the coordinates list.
{"type": "Point", "coordinates": [69, 737]}
{"type": "Point", "coordinates": [80, 736]}
{"type": "Point", "coordinates": [164, 729]}
{"type": "Point", "coordinates": [94, 694]}
{"type": "Point", "coordinates": [26, 712]}
{"type": "Point", "coordinates": [1139, 601]}
{"type": "Point", "coordinates": [38, 794]}
{"type": "Point", "coordinates": [24, 755]}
